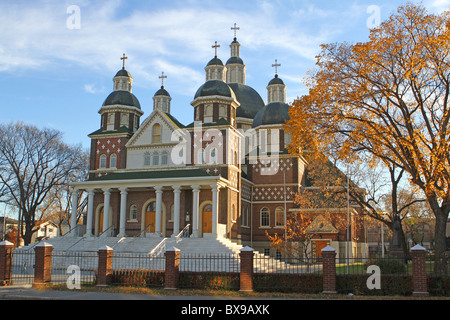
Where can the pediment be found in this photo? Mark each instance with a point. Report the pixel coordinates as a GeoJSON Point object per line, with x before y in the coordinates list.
{"type": "Point", "coordinates": [143, 136]}
{"type": "Point", "coordinates": [321, 225]}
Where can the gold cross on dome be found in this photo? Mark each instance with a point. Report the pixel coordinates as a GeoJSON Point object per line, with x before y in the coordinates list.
{"type": "Point", "coordinates": [215, 46]}
{"type": "Point", "coordinates": [124, 57]}
{"type": "Point", "coordinates": [276, 65]}
{"type": "Point", "coordinates": [235, 29]}
{"type": "Point", "coordinates": [162, 77]}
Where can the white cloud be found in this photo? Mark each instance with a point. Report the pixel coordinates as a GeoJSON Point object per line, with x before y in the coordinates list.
{"type": "Point", "coordinates": [92, 88]}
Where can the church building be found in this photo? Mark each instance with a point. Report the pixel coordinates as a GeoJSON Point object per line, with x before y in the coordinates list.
{"type": "Point", "coordinates": [226, 174]}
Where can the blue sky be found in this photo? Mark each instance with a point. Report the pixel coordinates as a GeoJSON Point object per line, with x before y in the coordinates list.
{"type": "Point", "coordinates": [55, 75]}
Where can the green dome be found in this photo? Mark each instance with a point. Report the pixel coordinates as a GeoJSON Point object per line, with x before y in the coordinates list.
{"type": "Point", "coordinates": [162, 92]}
{"type": "Point", "coordinates": [122, 97]}
{"type": "Point", "coordinates": [215, 62]}
{"type": "Point", "coordinates": [236, 60]}
{"type": "Point", "coordinates": [214, 88]}
{"type": "Point", "coordinates": [123, 73]}
{"type": "Point", "coordinates": [276, 80]}
{"type": "Point", "coordinates": [250, 100]}
{"type": "Point", "coordinates": [273, 113]}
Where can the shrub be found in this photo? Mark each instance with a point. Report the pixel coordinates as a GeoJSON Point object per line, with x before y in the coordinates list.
{"type": "Point", "coordinates": [279, 282]}
{"type": "Point", "coordinates": [138, 277]}
{"type": "Point", "coordinates": [389, 265]}
{"type": "Point", "coordinates": [209, 280]}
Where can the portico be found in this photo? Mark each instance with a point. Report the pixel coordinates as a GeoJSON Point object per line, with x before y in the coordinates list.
{"type": "Point", "coordinates": [170, 204]}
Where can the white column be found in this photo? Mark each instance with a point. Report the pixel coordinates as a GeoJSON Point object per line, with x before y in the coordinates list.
{"type": "Point", "coordinates": [176, 210]}
{"type": "Point", "coordinates": [90, 213]}
{"type": "Point", "coordinates": [158, 210]}
{"type": "Point", "coordinates": [195, 204]}
{"type": "Point", "coordinates": [73, 216]}
{"type": "Point", "coordinates": [123, 211]}
{"type": "Point", "coordinates": [106, 205]}
{"type": "Point", "coordinates": [215, 208]}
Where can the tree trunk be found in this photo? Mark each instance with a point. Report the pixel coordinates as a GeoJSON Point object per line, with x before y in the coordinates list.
{"type": "Point", "coordinates": [440, 260]}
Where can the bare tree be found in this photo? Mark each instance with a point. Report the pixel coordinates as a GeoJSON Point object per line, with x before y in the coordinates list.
{"type": "Point", "coordinates": [33, 162]}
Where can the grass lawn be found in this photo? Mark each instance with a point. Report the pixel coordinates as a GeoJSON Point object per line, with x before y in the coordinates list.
{"type": "Point", "coordinates": [233, 294]}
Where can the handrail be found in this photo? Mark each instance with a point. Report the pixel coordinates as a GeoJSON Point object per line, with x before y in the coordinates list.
{"type": "Point", "coordinates": [79, 240]}
{"type": "Point", "coordinates": [70, 230]}
{"type": "Point", "coordinates": [183, 233]}
{"type": "Point", "coordinates": [47, 237]}
{"type": "Point", "coordinates": [110, 227]}
{"type": "Point", "coordinates": [144, 231]}
{"type": "Point", "coordinates": [34, 245]}
{"type": "Point", "coordinates": [159, 248]}
{"type": "Point", "coordinates": [119, 241]}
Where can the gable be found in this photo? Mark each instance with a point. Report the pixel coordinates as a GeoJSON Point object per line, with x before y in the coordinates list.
{"type": "Point", "coordinates": [143, 136]}
{"type": "Point", "coordinates": [321, 225]}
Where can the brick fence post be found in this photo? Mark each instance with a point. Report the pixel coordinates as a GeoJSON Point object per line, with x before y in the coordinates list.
{"type": "Point", "coordinates": [172, 273]}
{"type": "Point", "coordinates": [246, 274]}
{"type": "Point", "coordinates": [104, 274]}
{"type": "Point", "coordinates": [420, 287]}
{"type": "Point", "coordinates": [329, 269]}
{"type": "Point", "coordinates": [42, 263]}
{"type": "Point", "coordinates": [6, 249]}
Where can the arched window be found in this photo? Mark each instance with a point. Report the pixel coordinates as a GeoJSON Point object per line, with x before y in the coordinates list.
{"type": "Point", "coordinates": [103, 161]}
{"type": "Point", "coordinates": [156, 133]}
{"type": "Point", "coordinates": [208, 113]}
{"type": "Point", "coordinates": [133, 212]}
{"type": "Point", "coordinates": [147, 159]}
{"type": "Point", "coordinates": [113, 161]}
{"type": "Point", "coordinates": [201, 156]}
{"type": "Point", "coordinates": [279, 217]}
{"type": "Point", "coordinates": [223, 111]}
{"type": "Point", "coordinates": [164, 158]}
{"type": "Point", "coordinates": [151, 207]}
{"type": "Point", "coordinates": [265, 217]}
{"type": "Point", "coordinates": [213, 156]}
{"type": "Point", "coordinates": [124, 121]}
{"type": "Point", "coordinates": [156, 159]}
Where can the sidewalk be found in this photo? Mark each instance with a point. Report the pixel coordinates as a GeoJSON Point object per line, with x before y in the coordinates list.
{"type": "Point", "coordinates": [29, 293]}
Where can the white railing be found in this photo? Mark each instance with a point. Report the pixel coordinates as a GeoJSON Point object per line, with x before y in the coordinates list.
{"type": "Point", "coordinates": [160, 248]}
{"type": "Point", "coordinates": [183, 234]}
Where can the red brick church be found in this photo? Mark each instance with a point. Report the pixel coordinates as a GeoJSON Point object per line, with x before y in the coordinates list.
{"type": "Point", "coordinates": [227, 174]}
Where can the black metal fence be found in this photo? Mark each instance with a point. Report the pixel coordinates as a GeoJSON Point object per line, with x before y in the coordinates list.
{"type": "Point", "coordinates": [374, 276]}
{"type": "Point", "coordinates": [22, 269]}
{"type": "Point", "coordinates": [209, 271]}
{"type": "Point", "coordinates": [74, 267]}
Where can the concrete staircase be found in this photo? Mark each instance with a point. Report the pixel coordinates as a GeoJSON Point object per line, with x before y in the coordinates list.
{"type": "Point", "coordinates": [197, 254]}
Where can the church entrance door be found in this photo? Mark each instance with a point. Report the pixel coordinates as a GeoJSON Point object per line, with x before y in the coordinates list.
{"type": "Point", "coordinates": [207, 219]}
{"type": "Point", "coordinates": [318, 245]}
{"type": "Point", "coordinates": [100, 221]}
{"type": "Point", "coordinates": [150, 217]}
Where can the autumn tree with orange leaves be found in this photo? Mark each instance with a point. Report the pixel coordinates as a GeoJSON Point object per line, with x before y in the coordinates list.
{"type": "Point", "coordinates": [386, 99]}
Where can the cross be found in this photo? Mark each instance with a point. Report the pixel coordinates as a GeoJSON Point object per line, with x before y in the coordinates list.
{"type": "Point", "coordinates": [162, 77]}
{"type": "Point", "coordinates": [123, 59]}
{"type": "Point", "coordinates": [215, 46]}
{"type": "Point", "coordinates": [276, 65]}
{"type": "Point", "coordinates": [235, 29]}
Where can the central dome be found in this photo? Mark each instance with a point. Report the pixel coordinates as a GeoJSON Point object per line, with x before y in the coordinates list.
{"type": "Point", "coordinates": [214, 88]}
{"type": "Point", "coordinates": [250, 100]}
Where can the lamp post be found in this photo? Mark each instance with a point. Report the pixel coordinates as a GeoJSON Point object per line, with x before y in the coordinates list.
{"type": "Point", "coordinates": [348, 223]}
